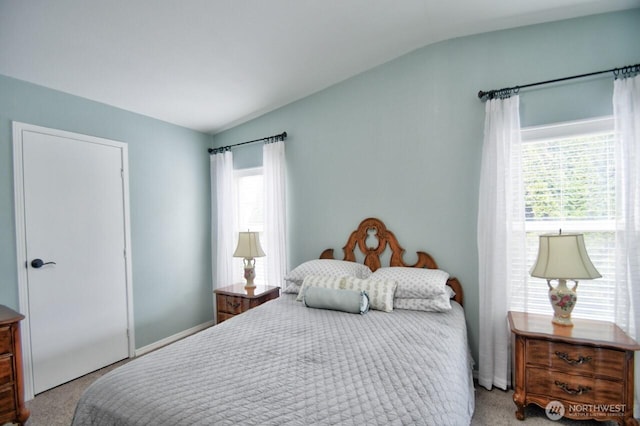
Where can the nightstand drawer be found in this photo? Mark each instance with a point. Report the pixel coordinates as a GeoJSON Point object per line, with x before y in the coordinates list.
{"type": "Point", "coordinates": [236, 299]}
{"type": "Point", "coordinates": [581, 389]}
{"type": "Point", "coordinates": [12, 409]}
{"type": "Point", "coordinates": [7, 404]}
{"type": "Point", "coordinates": [232, 305]}
{"type": "Point", "coordinates": [576, 359]}
{"type": "Point", "coordinates": [6, 370]}
{"type": "Point", "coordinates": [5, 340]}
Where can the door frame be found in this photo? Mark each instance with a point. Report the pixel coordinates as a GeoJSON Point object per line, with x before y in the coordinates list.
{"type": "Point", "coordinates": [21, 246]}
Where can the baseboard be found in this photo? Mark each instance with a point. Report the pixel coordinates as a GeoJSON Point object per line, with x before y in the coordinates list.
{"type": "Point", "coordinates": [174, 338]}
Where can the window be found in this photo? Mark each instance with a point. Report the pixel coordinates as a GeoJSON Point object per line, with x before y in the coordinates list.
{"type": "Point", "coordinates": [249, 192]}
{"type": "Point", "coordinates": [568, 172]}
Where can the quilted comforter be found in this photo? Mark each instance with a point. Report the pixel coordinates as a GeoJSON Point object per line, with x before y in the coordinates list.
{"type": "Point", "coordinates": [284, 364]}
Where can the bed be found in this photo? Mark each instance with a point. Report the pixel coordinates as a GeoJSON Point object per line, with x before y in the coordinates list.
{"type": "Point", "coordinates": [283, 363]}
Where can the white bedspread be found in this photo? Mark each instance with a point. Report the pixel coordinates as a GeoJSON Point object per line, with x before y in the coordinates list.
{"type": "Point", "coordinates": [284, 364]}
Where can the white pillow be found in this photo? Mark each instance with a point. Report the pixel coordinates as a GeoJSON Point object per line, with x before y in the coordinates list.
{"type": "Point", "coordinates": [380, 292]}
{"type": "Point", "coordinates": [415, 283]}
{"type": "Point", "coordinates": [292, 288]}
{"type": "Point", "coordinates": [440, 303]}
{"type": "Point", "coordinates": [327, 268]}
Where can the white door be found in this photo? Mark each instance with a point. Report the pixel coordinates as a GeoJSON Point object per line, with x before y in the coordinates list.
{"type": "Point", "coordinates": [75, 242]}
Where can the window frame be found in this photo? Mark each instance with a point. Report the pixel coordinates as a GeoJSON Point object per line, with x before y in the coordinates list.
{"type": "Point", "coordinates": [238, 268]}
{"type": "Point", "coordinates": [529, 301]}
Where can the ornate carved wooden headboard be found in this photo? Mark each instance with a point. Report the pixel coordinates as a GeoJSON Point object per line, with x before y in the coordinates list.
{"type": "Point", "coordinates": [375, 228]}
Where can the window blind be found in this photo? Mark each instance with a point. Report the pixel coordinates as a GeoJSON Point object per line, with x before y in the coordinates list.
{"type": "Point", "coordinates": [250, 206]}
{"type": "Point", "coordinates": [569, 184]}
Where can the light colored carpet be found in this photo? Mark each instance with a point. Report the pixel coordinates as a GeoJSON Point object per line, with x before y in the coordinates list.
{"type": "Point", "coordinates": [55, 407]}
{"type": "Point", "coordinates": [496, 408]}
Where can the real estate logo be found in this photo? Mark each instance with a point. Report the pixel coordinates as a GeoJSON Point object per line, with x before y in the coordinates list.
{"type": "Point", "coordinates": [554, 410]}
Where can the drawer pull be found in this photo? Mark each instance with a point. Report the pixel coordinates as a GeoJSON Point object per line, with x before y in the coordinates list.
{"type": "Point", "coordinates": [233, 305]}
{"type": "Point", "coordinates": [565, 387]}
{"type": "Point", "coordinates": [581, 359]}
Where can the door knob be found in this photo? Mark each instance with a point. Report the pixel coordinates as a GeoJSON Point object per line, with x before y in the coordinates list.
{"type": "Point", "coordinates": [39, 263]}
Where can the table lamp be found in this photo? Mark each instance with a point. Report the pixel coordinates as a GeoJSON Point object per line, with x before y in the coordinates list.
{"type": "Point", "coordinates": [249, 248]}
{"type": "Point", "coordinates": [563, 257]}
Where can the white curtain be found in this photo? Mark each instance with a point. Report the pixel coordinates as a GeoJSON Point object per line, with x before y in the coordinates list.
{"type": "Point", "coordinates": [500, 235]}
{"type": "Point", "coordinates": [223, 217]}
{"type": "Point", "coordinates": [626, 112]}
{"type": "Point", "coordinates": [275, 225]}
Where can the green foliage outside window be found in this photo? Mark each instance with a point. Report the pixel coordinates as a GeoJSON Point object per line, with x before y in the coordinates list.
{"type": "Point", "coordinates": [569, 179]}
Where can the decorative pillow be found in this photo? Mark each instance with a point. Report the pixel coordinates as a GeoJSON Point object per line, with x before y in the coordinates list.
{"type": "Point", "coordinates": [352, 301]}
{"type": "Point", "coordinates": [318, 281]}
{"type": "Point", "coordinates": [328, 268]}
{"type": "Point", "coordinates": [415, 283]}
{"type": "Point", "coordinates": [380, 291]}
{"type": "Point", "coordinates": [440, 303]}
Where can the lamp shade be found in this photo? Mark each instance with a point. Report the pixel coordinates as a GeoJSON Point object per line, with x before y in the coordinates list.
{"type": "Point", "coordinates": [563, 256]}
{"type": "Point", "coordinates": [248, 245]}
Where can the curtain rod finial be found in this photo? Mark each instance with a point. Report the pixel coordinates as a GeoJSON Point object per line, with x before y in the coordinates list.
{"type": "Point", "coordinates": [481, 94]}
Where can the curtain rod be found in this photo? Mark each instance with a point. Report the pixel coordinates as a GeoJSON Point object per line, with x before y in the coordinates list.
{"type": "Point", "coordinates": [275, 138]}
{"type": "Point", "coordinates": [508, 91]}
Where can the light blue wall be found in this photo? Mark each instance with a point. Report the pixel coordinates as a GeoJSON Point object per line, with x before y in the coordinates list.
{"type": "Point", "coordinates": [402, 142]}
{"type": "Point", "coordinates": [169, 199]}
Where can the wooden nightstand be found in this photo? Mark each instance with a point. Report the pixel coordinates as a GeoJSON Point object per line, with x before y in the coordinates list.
{"type": "Point", "coordinates": [234, 299]}
{"type": "Point", "coordinates": [12, 407]}
{"type": "Point", "coordinates": [587, 367]}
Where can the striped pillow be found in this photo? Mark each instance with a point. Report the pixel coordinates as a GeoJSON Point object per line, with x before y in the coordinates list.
{"type": "Point", "coordinates": [318, 281]}
{"type": "Point", "coordinates": [380, 292]}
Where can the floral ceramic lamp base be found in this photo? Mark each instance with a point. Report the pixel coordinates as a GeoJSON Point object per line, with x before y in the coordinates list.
{"type": "Point", "coordinates": [249, 272]}
{"type": "Point", "coordinates": [562, 299]}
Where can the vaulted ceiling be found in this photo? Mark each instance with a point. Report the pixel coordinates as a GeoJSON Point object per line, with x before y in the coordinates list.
{"type": "Point", "coordinates": [212, 64]}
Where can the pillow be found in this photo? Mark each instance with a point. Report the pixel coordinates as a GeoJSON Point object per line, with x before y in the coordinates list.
{"type": "Point", "coordinates": [380, 292]}
{"type": "Point", "coordinates": [440, 303]}
{"type": "Point", "coordinates": [352, 301]}
{"type": "Point", "coordinates": [415, 283]}
{"type": "Point", "coordinates": [292, 288]}
{"type": "Point", "coordinates": [327, 267]}
{"type": "Point", "coordinates": [318, 281]}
